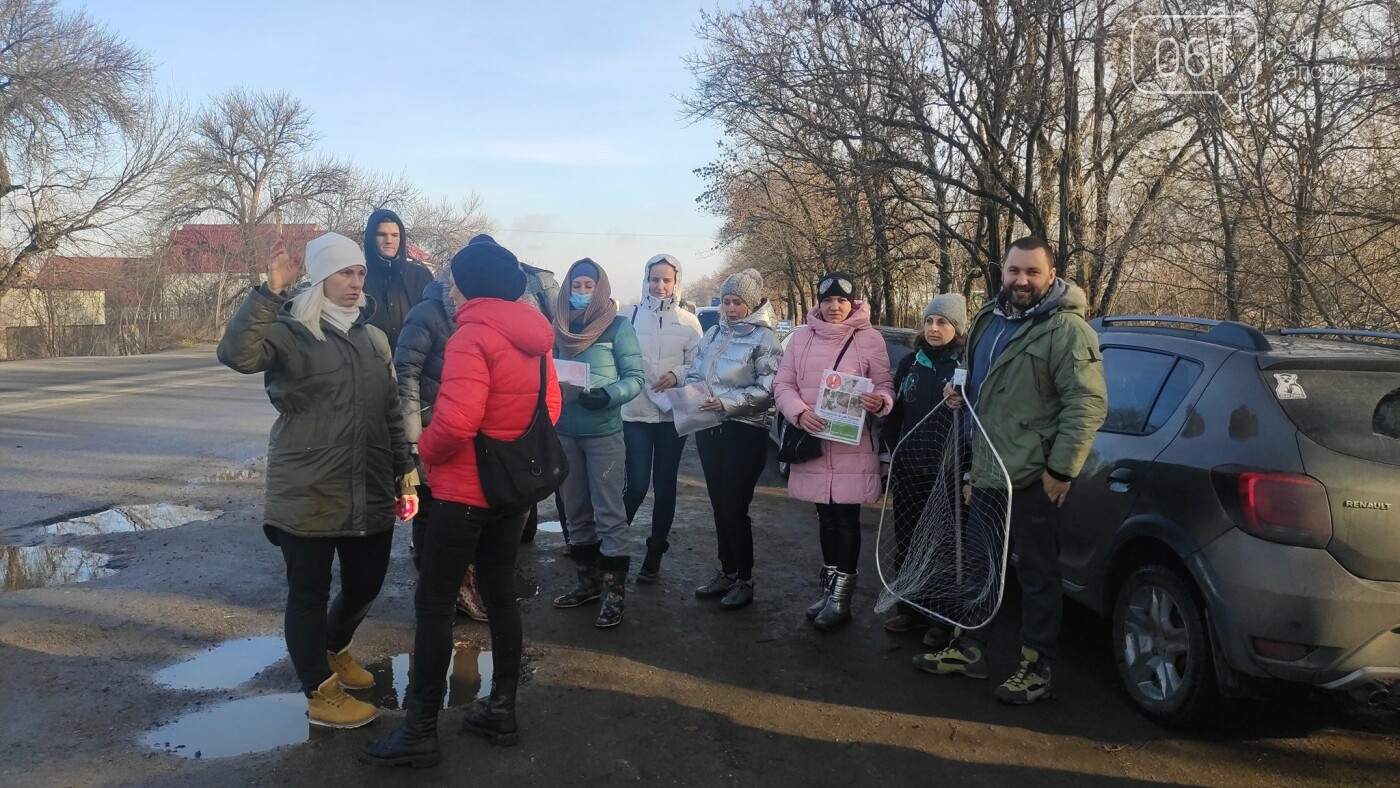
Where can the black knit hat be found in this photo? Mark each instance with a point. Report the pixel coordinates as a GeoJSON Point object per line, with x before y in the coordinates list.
{"type": "Point", "coordinates": [485, 269]}
{"type": "Point", "coordinates": [836, 283]}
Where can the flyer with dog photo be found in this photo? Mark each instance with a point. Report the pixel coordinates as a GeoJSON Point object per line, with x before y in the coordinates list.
{"type": "Point", "coordinates": [838, 404]}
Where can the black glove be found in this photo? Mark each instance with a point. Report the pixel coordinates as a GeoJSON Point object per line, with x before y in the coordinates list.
{"type": "Point", "coordinates": [597, 399]}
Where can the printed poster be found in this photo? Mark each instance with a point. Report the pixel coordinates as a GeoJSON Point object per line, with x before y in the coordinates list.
{"type": "Point", "coordinates": [838, 404]}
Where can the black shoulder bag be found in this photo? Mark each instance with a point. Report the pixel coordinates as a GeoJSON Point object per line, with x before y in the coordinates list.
{"type": "Point", "coordinates": [799, 445]}
{"type": "Point", "coordinates": [518, 474]}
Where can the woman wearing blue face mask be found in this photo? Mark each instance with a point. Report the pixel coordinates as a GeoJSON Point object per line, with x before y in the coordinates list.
{"type": "Point", "coordinates": [588, 329]}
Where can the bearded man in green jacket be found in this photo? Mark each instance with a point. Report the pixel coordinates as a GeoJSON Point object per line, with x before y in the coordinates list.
{"type": "Point", "coordinates": [1035, 378]}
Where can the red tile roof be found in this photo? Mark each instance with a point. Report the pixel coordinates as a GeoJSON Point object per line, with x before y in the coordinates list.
{"type": "Point", "coordinates": [216, 248]}
{"type": "Point", "coordinates": [117, 276]}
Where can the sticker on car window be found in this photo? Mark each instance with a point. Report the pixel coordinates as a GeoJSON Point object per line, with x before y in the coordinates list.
{"type": "Point", "coordinates": [1288, 386]}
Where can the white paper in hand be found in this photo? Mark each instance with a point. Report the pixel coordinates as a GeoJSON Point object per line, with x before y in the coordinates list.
{"type": "Point", "coordinates": [685, 409]}
{"type": "Point", "coordinates": [959, 377]}
{"type": "Point", "coordinates": [573, 373]}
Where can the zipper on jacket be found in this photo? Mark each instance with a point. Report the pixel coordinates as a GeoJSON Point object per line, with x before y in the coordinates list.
{"type": "Point", "coordinates": [715, 361]}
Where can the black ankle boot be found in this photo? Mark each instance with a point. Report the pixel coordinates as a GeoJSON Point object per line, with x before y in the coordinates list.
{"type": "Point", "coordinates": [651, 564]}
{"type": "Point", "coordinates": [494, 716]}
{"type": "Point", "coordinates": [414, 743]}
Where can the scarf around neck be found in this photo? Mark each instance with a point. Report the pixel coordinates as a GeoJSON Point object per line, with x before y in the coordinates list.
{"type": "Point", "coordinates": [595, 318]}
{"type": "Point", "coordinates": [342, 317]}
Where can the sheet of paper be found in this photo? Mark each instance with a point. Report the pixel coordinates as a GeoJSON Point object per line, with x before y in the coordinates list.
{"type": "Point", "coordinates": [838, 404]}
{"type": "Point", "coordinates": [572, 373]}
{"type": "Point", "coordinates": [685, 409]}
{"type": "Point", "coordinates": [650, 376]}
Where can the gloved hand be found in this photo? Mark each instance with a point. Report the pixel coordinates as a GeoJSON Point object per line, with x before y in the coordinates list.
{"type": "Point", "coordinates": [597, 399]}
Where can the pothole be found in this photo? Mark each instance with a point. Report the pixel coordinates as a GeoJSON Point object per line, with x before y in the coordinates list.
{"type": "Point", "coordinates": [128, 519]}
{"type": "Point", "coordinates": [40, 567]}
{"type": "Point", "coordinates": [224, 666]}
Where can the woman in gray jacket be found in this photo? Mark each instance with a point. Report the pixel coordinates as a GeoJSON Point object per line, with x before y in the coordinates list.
{"type": "Point", "coordinates": [736, 360]}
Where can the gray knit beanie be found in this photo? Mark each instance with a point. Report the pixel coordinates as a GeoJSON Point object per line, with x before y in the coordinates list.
{"type": "Point", "coordinates": [747, 285]}
{"type": "Point", "coordinates": [951, 307]}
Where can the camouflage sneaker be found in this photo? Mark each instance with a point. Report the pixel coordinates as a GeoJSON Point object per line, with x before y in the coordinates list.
{"type": "Point", "coordinates": [1029, 683]}
{"type": "Point", "coordinates": [962, 657]}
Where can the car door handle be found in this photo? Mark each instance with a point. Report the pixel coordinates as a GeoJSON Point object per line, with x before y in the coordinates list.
{"type": "Point", "coordinates": [1121, 480]}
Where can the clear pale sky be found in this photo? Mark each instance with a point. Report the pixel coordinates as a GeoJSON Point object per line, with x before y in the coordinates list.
{"type": "Point", "coordinates": [562, 115]}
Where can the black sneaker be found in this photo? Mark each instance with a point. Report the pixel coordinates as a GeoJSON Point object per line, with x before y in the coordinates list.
{"type": "Point", "coordinates": [740, 595]}
{"type": "Point", "coordinates": [717, 587]}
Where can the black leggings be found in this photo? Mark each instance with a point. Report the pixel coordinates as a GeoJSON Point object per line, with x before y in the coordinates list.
{"type": "Point", "coordinates": [457, 536]}
{"type": "Point", "coordinates": [840, 535]}
{"type": "Point", "coordinates": [312, 630]}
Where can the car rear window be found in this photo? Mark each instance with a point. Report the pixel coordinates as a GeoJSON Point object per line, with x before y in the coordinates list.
{"type": "Point", "coordinates": [1352, 412]}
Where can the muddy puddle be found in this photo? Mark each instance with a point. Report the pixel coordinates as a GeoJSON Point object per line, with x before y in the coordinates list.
{"type": "Point", "coordinates": [40, 567]}
{"type": "Point", "coordinates": [238, 727]}
{"type": "Point", "coordinates": [224, 666]}
{"type": "Point", "coordinates": [129, 519]}
{"type": "Point", "coordinates": [468, 678]}
{"type": "Point", "coordinates": [266, 722]}
{"type": "Point", "coordinates": [551, 527]}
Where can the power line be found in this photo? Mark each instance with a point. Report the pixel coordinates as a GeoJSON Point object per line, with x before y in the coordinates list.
{"type": "Point", "coordinates": [637, 235]}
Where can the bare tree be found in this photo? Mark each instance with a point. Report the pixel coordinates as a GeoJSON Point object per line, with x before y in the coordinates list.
{"type": "Point", "coordinates": [84, 147]}
{"type": "Point", "coordinates": [443, 226]}
{"type": "Point", "coordinates": [361, 193]}
{"type": "Point", "coordinates": [254, 155]}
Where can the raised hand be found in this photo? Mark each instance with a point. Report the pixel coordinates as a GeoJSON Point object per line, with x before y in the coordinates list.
{"type": "Point", "coordinates": [282, 269]}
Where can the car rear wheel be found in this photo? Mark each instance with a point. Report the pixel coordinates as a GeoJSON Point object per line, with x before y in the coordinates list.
{"type": "Point", "coordinates": [1162, 647]}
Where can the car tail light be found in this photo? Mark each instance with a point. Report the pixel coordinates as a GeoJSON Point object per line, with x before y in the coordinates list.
{"type": "Point", "coordinates": [1289, 508]}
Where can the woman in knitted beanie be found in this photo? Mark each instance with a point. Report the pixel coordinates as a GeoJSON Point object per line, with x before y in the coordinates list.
{"type": "Point", "coordinates": [837, 336]}
{"type": "Point", "coordinates": [737, 361]}
{"type": "Point", "coordinates": [918, 387]}
{"type": "Point", "coordinates": [337, 459]}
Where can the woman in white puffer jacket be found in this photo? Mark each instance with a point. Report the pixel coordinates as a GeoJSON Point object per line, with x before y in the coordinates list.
{"type": "Point", "coordinates": [668, 336]}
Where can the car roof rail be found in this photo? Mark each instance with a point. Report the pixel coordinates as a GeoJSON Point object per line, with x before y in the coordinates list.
{"type": "Point", "coordinates": [1220, 332]}
{"type": "Point", "coordinates": [1353, 334]}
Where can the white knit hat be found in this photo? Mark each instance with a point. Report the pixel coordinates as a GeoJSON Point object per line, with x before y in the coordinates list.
{"type": "Point", "coordinates": [330, 253]}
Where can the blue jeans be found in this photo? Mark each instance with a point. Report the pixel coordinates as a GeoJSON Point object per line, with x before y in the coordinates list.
{"type": "Point", "coordinates": [653, 457]}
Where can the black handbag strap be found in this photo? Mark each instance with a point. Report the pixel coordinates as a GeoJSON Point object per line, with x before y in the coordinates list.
{"type": "Point", "coordinates": [836, 367]}
{"type": "Point", "coordinates": [540, 406]}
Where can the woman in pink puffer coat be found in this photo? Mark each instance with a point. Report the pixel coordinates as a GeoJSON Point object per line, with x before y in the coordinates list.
{"type": "Point", "coordinates": [844, 477]}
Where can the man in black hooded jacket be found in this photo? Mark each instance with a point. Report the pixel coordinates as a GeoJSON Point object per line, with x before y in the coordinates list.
{"type": "Point", "coordinates": [394, 281]}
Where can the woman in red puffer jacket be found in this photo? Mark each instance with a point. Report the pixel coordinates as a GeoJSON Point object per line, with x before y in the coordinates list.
{"type": "Point", "coordinates": [490, 385]}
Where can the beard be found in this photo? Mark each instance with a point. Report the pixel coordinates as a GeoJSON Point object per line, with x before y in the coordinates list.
{"type": "Point", "coordinates": [1023, 299]}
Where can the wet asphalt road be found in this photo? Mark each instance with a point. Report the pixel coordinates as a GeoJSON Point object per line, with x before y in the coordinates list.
{"type": "Point", "coordinates": [78, 434]}
{"type": "Point", "coordinates": [680, 694]}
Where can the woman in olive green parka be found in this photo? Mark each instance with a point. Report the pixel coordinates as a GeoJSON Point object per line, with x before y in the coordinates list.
{"type": "Point", "coordinates": [338, 460]}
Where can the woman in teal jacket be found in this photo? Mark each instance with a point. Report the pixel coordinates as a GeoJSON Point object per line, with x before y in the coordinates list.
{"type": "Point", "coordinates": [588, 329]}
